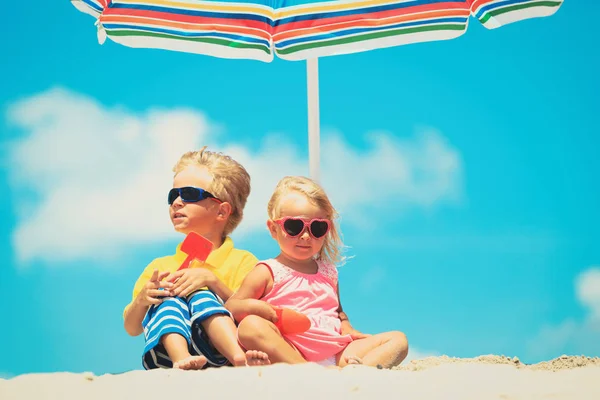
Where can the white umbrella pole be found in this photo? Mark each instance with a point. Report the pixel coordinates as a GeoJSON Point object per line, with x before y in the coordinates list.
{"type": "Point", "coordinates": [312, 83]}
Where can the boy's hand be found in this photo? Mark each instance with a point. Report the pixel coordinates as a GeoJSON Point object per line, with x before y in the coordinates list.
{"type": "Point", "coordinates": [151, 293]}
{"type": "Point", "coordinates": [190, 280]}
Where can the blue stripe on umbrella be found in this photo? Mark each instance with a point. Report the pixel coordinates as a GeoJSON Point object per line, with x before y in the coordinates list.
{"type": "Point", "coordinates": [93, 5]}
{"type": "Point", "coordinates": [207, 14]}
{"type": "Point", "coordinates": [344, 13]}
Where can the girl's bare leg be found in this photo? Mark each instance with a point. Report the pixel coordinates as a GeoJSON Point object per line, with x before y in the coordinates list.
{"type": "Point", "coordinates": [257, 333]}
{"type": "Point", "coordinates": [386, 349]}
{"type": "Point", "coordinates": [222, 332]}
{"type": "Point", "coordinates": [177, 349]}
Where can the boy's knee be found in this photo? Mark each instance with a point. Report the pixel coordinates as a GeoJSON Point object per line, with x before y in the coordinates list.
{"type": "Point", "coordinates": [168, 303]}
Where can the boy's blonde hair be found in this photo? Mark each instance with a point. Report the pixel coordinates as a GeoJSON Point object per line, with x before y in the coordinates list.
{"type": "Point", "coordinates": [230, 183]}
{"type": "Point", "coordinates": [331, 251]}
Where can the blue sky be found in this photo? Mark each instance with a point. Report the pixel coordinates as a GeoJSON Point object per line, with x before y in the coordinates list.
{"type": "Point", "coordinates": [465, 172]}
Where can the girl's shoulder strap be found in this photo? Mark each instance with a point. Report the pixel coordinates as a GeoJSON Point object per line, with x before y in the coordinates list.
{"type": "Point", "coordinates": [329, 271]}
{"type": "Point", "coordinates": [278, 271]}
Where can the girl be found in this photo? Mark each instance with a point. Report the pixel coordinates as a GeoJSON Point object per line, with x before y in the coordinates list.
{"type": "Point", "coordinates": [303, 277]}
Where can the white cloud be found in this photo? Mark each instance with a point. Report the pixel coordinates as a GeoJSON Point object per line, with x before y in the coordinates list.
{"type": "Point", "coordinates": [572, 336]}
{"type": "Point", "coordinates": [391, 172]}
{"type": "Point", "coordinates": [588, 294]}
{"type": "Point", "coordinates": [96, 176]}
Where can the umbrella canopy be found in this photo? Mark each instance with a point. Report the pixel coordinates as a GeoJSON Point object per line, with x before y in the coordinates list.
{"type": "Point", "coordinates": [297, 29]}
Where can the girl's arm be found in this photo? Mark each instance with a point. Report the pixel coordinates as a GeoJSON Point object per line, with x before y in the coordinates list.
{"type": "Point", "coordinates": [347, 328]}
{"type": "Point", "coordinates": [246, 300]}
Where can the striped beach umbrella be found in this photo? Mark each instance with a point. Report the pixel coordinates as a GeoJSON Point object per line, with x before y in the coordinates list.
{"type": "Point", "coordinates": [297, 29]}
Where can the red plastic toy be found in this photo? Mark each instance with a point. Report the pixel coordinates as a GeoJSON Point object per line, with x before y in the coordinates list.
{"type": "Point", "coordinates": [196, 247]}
{"type": "Point", "coordinates": [290, 321]}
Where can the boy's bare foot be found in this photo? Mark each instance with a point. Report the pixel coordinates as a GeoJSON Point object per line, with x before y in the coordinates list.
{"type": "Point", "coordinates": [191, 363]}
{"type": "Point", "coordinates": [255, 357]}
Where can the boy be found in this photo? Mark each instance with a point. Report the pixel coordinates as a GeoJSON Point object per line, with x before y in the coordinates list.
{"type": "Point", "coordinates": [181, 313]}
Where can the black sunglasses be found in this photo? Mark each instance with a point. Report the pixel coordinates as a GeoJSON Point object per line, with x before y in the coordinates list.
{"type": "Point", "coordinates": [190, 194]}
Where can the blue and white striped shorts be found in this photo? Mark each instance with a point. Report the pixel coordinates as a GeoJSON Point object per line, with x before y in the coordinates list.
{"type": "Point", "coordinates": [182, 316]}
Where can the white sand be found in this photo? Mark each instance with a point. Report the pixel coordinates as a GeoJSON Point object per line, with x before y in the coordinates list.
{"type": "Point", "coordinates": [487, 377]}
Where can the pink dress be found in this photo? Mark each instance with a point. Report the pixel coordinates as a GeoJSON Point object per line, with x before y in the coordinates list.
{"type": "Point", "coordinates": [315, 296]}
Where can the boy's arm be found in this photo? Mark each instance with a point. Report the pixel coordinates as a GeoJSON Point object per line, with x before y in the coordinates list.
{"type": "Point", "coordinates": [249, 261]}
{"type": "Point", "coordinates": [134, 315]}
{"type": "Point", "coordinates": [135, 311]}
{"type": "Point", "coordinates": [219, 288]}
{"type": "Point", "coordinates": [245, 300]}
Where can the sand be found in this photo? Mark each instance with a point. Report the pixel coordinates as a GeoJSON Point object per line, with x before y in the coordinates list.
{"type": "Point", "coordinates": [485, 377]}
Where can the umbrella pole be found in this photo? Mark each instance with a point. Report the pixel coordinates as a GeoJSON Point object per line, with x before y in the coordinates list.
{"type": "Point", "coordinates": [312, 83]}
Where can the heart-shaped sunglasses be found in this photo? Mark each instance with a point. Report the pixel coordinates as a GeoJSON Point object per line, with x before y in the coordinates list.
{"type": "Point", "coordinates": [294, 226]}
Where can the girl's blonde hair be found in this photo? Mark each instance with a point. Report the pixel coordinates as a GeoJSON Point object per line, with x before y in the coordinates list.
{"type": "Point", "coordinates": [230, 183]}
{"type": "Point", "coordinates": [331, 251]}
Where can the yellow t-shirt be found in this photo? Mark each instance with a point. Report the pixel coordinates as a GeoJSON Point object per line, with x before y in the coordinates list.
{"type": "Point", "coordinates": [229, 264]}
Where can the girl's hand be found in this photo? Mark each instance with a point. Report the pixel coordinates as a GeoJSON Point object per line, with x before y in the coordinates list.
{"type": "Point", "coordinates": [264, 310]}
{"type": "Point", "coordinates": [347, 329]}
{"type": "Point", "coordinates": [151, 293]}
{"type": "Point", "coordinates": [241, 308]}
{"type": "Point", "coordinates": [189, 280]}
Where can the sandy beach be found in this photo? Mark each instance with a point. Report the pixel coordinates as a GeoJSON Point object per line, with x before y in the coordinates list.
{"type": "Point", "coordinates": [485, 377]}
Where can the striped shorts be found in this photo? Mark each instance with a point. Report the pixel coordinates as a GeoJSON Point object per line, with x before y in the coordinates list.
{"type": "Point", "coordinates": [182, 316]}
